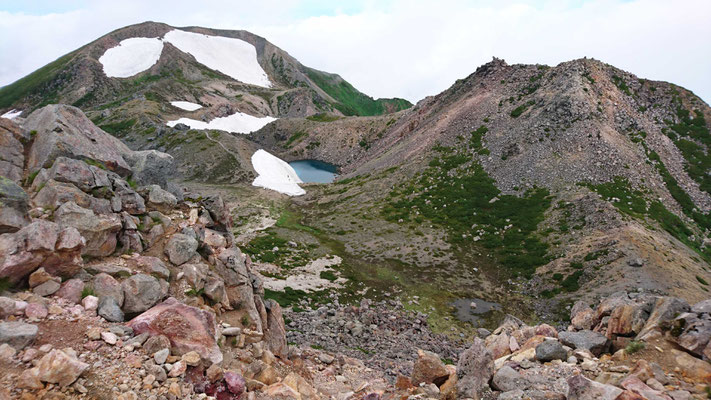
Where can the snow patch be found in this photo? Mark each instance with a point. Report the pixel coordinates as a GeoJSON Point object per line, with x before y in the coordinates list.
{"type": "Point", "coordinates": [275, 174]}
{"type": "Point", "coordinates": [186, 105]}
{"type": "Point", "coordinates": [307, 278]}
{"type": "Point", "coordinates": [233, 57]}
{"type": "Point", "coordinates": [236, 123]}
{"type": "Point", "coordinates": [131, 56]}
{"type": "Point", "coordinates": [12, 114]}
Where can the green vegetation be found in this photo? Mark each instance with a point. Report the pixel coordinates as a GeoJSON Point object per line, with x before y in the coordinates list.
{"type": "Point", "coordinates": [323, 117]}
{"type": "Point", "coordinates": [634, 346]}
{"type": "Point", "coordinates": [119, 128]}
{"type": "Point", "coordinates": [328, 275]}
{"type": "Point", "coordinates": [295, 137]}
{"type": "Point", "coordinates": [290, 296]}
{"type": "Point", "coordinates": [620, 83]}
{"type": "Point", "coordinates": [35, 83]}
{"type": "Point", "coordinates": [692, 137]}
{"type": "Point", "coordinates": [476, 140]}
{"type": "Point", "coordinates": [522, 108]}
{"type": "Point", "coordinates": [457, 194]}
{"type": "Point", "coordinates": [702, 280]}
{"type": "Point", "coordinates": [87, 291]}
{"type": "Point", "coordinates": [350, 100]}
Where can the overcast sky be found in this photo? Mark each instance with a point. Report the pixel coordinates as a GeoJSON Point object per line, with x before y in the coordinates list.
{"type": "Point", "coordinates": [396, 48]}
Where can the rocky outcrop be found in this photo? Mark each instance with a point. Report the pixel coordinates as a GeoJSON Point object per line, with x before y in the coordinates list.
{"type": "Point", "coordinates": [44, 243]}
{"type": "Point", "coordinates": [65, 131]}
{"type": "Point", "coordinates": [474, 370]}
{"type": "Point", "coordinates": [14, 206]}
{"type": "Point", "coordinates": [99, 230]}
{"type": "Point", "coordinates": [188, 328]}
{"type": "Point", "coordinates": [12, 156]}
{"type": "Point", "coordinates": [151, 167]}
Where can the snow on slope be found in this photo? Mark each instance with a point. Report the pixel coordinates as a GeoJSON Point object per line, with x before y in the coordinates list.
{"type": "Point", "coordinates": [236, 123]}
{"type": "Point", "coordinates": [275, 174]}
{"type": "Point", "coordinates": [12, 114]}
{"type": "Point", "coordinates": [186, 105]}
{"type": "Point", "coordinates": [131, 56]}
{"type": "Point", "coordinates": [233, 57]}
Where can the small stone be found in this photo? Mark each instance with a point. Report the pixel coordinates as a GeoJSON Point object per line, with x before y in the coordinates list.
{"type": "Point", "coordinates": [550, 350]}
{"type": "Point", "coordinates": [55, 309]}
{"type": "Point", "coordinates": [160, 356]}
{"type": "Point", "coordinates": [191, 358]}
{"type": "Point", "coordinates": [90, 303]}
{"type": "Point", "coordinates": [326, 358]}
{"type": "Point", "coordinates": [109, 337]}
{"type": "Point", "coordinates": [178, 369]}
{"type": "Point", "coordinates": [47, 288]}
{"type": "Point", "coordinates": [36, 311]}
{"type": "Point", "coordinates": [29, 379]}
{"type": "Point", "coordinates": [7, 352]}
{"type": "Point", "coordinates": [235, 383]}
{"type": "Point", "coordinates": [214, 373]}
{"type": "Point", "coordinates": [93, 333]}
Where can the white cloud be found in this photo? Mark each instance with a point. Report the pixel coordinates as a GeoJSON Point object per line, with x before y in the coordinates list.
{"type": "Point", "coordinates": [409, 48]}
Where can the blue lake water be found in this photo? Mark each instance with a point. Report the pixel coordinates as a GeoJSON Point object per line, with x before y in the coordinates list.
{"type": "Point", "coordinates": [314, 171]}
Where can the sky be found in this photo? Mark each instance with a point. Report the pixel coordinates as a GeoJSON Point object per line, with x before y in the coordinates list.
{"type": "Point", "coordinates": [396, 48]}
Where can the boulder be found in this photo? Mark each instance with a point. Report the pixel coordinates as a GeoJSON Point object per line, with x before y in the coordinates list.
{"type": "Point", "coordinates": [141, 292]}
{"type": "Point", "coordinates": [219, 213]}
{"type": "Point", "coordinates": [188, 328]}
{"type": "Point", "coordinates": [582, 388]}
{"type": "Point", "coordinates": [65, 131]}
{"type": "Point", "coordinates": [110, 310]}
{"type": "Point", "coordinates": [665, 309]}
{"type": "Point", "coordinates": [7, 307]}
{"type": "Point", "coordinates": [47, 288]}
{"type": "Point", "coordinates": [98, 230]}
{"type": "Point", "coordinates": [151, 167]}
{"type": "Point", "coordinates": [702, 307]}
{"type": "Point", "coordinates": [156, 343]}
{"type": "Point", "coordinates": [44, 243]}
{"type": "Point", "coordinates": [12, 157]}
{"type": "Point", "coordinates": [275, 332]}
{"type": "Point", "coordinates": [627, 319]}
{"type": "Point", "coordinates": [76, 172]}
{"type": "Point", "coordinates": [474, 370]}
{"type": "Point", "coordinates": [160, 199]}
{"type": "Point", "coordinates": [105, 285]}
{"type": "Point", "coordinates": [195, 274]}
{"type": "Point", "coordinates": [181, 248]}
{"type": "Point", "coordinates": [17, 334]}
{"type": "Point", "coordinates": [153, 266]}
{"type": "Point", "coordinates": [550, 350]}
{"type": "Point", "coordinates": [14, 206]}
{"type": "Point", "coordinates": [214, 239]}
{"type": "Point", "coordinates": [695, 333]}
{"type": "Point", "coordinates": [53, 194]}
{"type": "Point", "coordinates": [232, 268]}
{"type": "Point", "coordinates": [692, 368]}
{"type": "Point", "coordinates": [71, 290]}
{"type": "Point", "coordinates": [60, 368]}
{"type": "Point", "coordinates": [595, 342]}
{"type": "Point", "coordinates": [131, 202]}
{"type": "Point", "coordinates": [507, 379]}
{"type": "Point", "coordinates": [429, 368]}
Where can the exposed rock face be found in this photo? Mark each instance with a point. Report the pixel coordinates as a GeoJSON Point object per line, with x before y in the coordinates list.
{"type": "Point", "coordinates": [474, 370]}
{"type": "Point", "coordinates": [98, 230]}
{"type": "Point", "coordinates": [54, 194]}
{"type": "Point", "coordinates": [275, 332]}
{"type": "Point", "coordinates": [141, 292]}
{"type": "Point", "coordinates": [12, 156]}
{"type": "Point", "coordinates": [44, 243]}
{"type": "Point", "coordinates": [429, 368]}
{"type": "Point", "coordinates": [14, 204]}
{"type": "Point", "coordinates": [160, 199]}
{"type": "Point", "coordinates": [151, 167]}
{"type": "Point", "coordinates": [188, 328]}
{"type": "Point", "coordinates": [65, 131]}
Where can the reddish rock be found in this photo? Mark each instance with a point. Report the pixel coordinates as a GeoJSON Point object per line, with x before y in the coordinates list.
{"type": "Point", "coordinates": [60, 367]}
{"type": "Point", "coordinates": [188, 328]}
{"type": "Point", "coordinates": [429, 368]}
{"type": "Point", "coordinates": [71, 290]}
{"type": "Point", "coordinates": [36, 310]}
{"type": "Point", "coordinates": [235, 382]}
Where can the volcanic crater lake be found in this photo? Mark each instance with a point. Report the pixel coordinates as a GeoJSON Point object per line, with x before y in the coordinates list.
{"type": "Point", "coordinates": [314, 171]}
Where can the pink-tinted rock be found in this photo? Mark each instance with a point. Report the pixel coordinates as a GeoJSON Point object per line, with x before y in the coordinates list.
{"type": "Point", "coordinates": [71, 290]}
{"type": "Point", "coordinates": [36, 310]}
{"type": "Point", "coordinates": [188, 328]}
{"type": "Point", "coordinates": [235, 382]}
{"type": "Point", "coordinates": [98, 230]}
{"type": "Point", "coordinates": [546, 330]}
{"type": "Point", "coordinates": [90, 303]}
{"type": "Point", "coordinates": [275, 332]}
{"type": "Point", "coordinates": [60, 367]}
{"type": "Point", "coordinates": [633, 384]}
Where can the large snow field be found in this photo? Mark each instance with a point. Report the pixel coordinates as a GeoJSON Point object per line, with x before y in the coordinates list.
{"type": "Point", "coordinates": [236, 123]}
{"type": "Point", "coordinates": [233, 57]}
{"type": "Point", "coordinates": [12, 114]}
{"type": "Point", "coordinates": [131, 56]}
{"type": "Point", "coordinates": [275, 174]}
{"type": "Point", "coordinates": [186, 105]}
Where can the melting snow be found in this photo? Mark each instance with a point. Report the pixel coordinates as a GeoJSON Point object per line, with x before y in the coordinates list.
{"type": "Point", "coordinates": [233, 57]}
{"type": "Point", "coordinates": [12, 114]}
{"type": "Point", "coordinates": [186, 105]}
{"type": "Point", "coordinates": [236, 123]}
{"type": "Point", "coordinates": [275, 174]}
{"type": "Point", "coordinates": [131, 56]}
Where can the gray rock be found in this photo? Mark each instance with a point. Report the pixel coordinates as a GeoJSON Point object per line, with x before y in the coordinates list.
{"type": "Point", "coordinates": [151, 167]}
{"type": "Point", "coordinates": [595, 342]}
{"type": "Point", "coordinates": [702, 307]}
{"type": "Point", "coordinates": [98, 230]}
{"type": "Point", "coordinates": [12, 153]}
{"type": "Point", "coordinates": [161, 199]}
{"type": "Point", "coordinates": [274, 331]}
{"type": "Point", "coordinates": [141, 292]}
{"type": "Point", "coordinates": [76, 172]}
{"type": "Point", "coordinates": [665, 309]}
{"type": "Point", "coordinates": [181, 248]}
{"type": "Point", "coordinates": [550, 350]}
{"type": "Point", "coordinates": [635, 262]}
{"type": "Point", "coordinates": [160, 356]}
{"type": "Point", "coordinates": [474, 370]}
{"type": "Point", "coordinates": [17, 334]}
{"type": "Point", "coordinates": [110, 310]}
{"type": "Point", "coordinates": [7, 307]}
{"type": "Point", "coordinates": [131, 202]}
{"type": "Point", "coordinates": [581, 388]}
{"type": "Point", "coordinates": [108, 268]}
{"type": "Point", "coordinates": [507, 379]}
{"type": "Point", "coordinates": [157, 343]}
{"type": "Point", "coordinates": [47, 288]}
{"type": "Point", "coordinates": [14, 206]}
{"type": "Point", "coordinates": [512, 395]}
{"type": "Point", "coordinates": [104, 285]}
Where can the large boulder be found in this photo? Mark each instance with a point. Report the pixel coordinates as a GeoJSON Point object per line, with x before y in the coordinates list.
{"type": "Point", "coordinates": [429, 368]}
{"type": "Point", "coordinates": [14, 204]}
{"type": "Point", "coordinates": [141, 292]}
{"type": "Point", "coordinates": [12, 157]}
{"type": "Point", "coordinates": [76, 172]}
{"type": "Point", "coordinates": [160, 199]}
{"type": "Point", "coordinates": [44, 243]}
{"type": "Point", "coordinates": [98, 230]}
{"type": "Point", "coordinates": [188, 328]}
{"type": "Point", "coordinates": [595, 342]}
{"type": "Point", "coordinates": [52, 195]}
{"type": "Point", "coordinates": [104, 285]}
{"type": "Point", "coordinates": [151, 167]}
{"type": "Point", "coordinates": [550, 350]}
{"type": "Point", "coordinates": [219, 212]}
{"type": "Point", "coordinates": [474, 370]}
{"type": "Point", "coordinates": [17, 334]}
{"type": "Point", "coordinates": [231, 266]}
{"type": "Point", "coordinates": [131, 202]}
{"type": "Point", "coordinates": [181, 248]}
{"type": "Point", "coordinates": [60, 367]}
{"type": "Point", "coordinates": [65, 131]}
{"type": "Point", "coordinates": [695, 333]}
{"type": "Point", "coordinates": [665, 310]}
{"type": "Point", "coordinates": [582, 388]}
